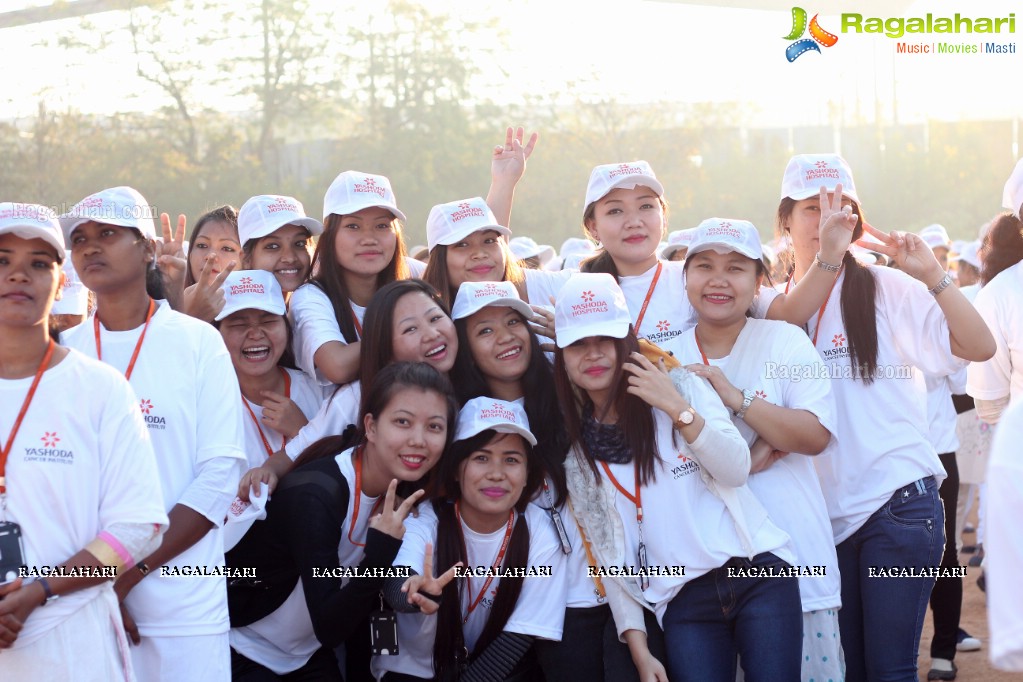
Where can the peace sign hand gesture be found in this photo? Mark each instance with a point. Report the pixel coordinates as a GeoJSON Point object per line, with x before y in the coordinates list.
{"type": "Point", "coordinates": [390, 520]}
{"type": "Point", "coordinates": [425, 584]}
{"type": "Point", "coordinates": [170, 259]}
{"type": "Point", "coordinates": [205, 299]}
{"type": "Point", "coordinates": [909, 252]}
{"type": "Point", "coordinates": [508, 163]}
{"type": "Point", "coordinates": [836, 226]}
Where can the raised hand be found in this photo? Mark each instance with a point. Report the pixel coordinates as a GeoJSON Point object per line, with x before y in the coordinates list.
{"type": "Point", "coordinates": [171, 260]}
{"type": "Point", "coordinates": [652, 383]}
{"type": "Point", "coordinates": [836, 226]}
{"type": "Point", "coordinates": [282, 414]}
{"type": "Point", "coordinates": [391, 520]}
{"type": "Point", "coordinates": [205, 299]}
{"type": "Point", "coordinates": [909, 251]}
{"type": "Point", "coordinates": [417, 585]}
{"type": "Point", "coordinates": [508, 162]}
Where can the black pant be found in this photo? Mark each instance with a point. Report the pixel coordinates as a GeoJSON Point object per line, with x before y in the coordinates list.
{"type": "Point", "coordinates": [947, 595]}
{"type": "Point", "coordinates": [322, 666]}
{"type": "Point", "coordinates": [589, 648]}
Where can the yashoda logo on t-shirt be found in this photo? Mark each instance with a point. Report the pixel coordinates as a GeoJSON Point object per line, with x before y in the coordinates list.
{"type": "Point", "coordinates": [686, 465]}
{"type": "Point", "coordinates": [839, 351]}
{"type": "Point", "coordinates": [50, 452]}
{"type": "Point", "coordinates": [153, 421]}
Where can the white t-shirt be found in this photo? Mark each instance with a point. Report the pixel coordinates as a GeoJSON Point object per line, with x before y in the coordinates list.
{"type": "Point", "coordinates": [542, 285]}
{"type": "Point", "coordinates": [284, 640]}
{"type": "Point", "coordinates": [580, 588]}
{"type": "Point", "coordinates": [332, 418]}
{"type": "Point", "coordinates": [669, 312]}
{"type": "Point", "coordinates": [539, 611]}
{"type": "Point", "coordinates": [186, 388]}
{"type": "Point", "coordinates": [789, 488]}
{"type": "Point", "coordinates": [81, 462]}
{"type": "Point", "coordinates": [1000, 303]}
{"type": "Point", "coordinates": [304, 392]}
{"type": "Point", "coordinates": [416, 267]}
{"type": "Point", "coordinates": [1004, 542]}
{"type": "Point", "coordinates": [941, 412]}
{"type": "Point", "coordinates": [882, 440]}
{"type": "Point", "coordinates": [313, 324]}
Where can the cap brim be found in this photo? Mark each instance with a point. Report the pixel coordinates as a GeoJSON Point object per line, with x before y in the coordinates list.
{"type": "Point", "coordinates": [516, 304]}
{"type": "Point", "coordinates": [355, 208]}
{"type": "Point", "coordinates": [461, 234]}
{"type": "Point", "coordinates": [36, 232]}
{"type": "Point", "coordinates": [615, 330]}
{"type": "Point", "coordinates": [631, 182]}
{"type": "Point", "coordinates": [807, 193]}
{"type": "Point", "coordinates": [668, 251]}
{"type": "Point", "coordinates": [723, 248]}
{"type": "Point", "coordinates": [232, 309]}
{"type": "Point", "coordinates": [314, 226]}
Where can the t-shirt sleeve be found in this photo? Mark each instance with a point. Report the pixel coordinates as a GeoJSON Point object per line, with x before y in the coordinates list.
{"type": "Point", "coordinates": [720, 448]}
{"type": "Point", "coordinates": [334, 416]}
{"type": "Point", "coordinates": [763, 301]}
{"type": "Point", "coordinates": [540, 609]}
{"type": "Point", "coordinates": [314, 324]}
{"type": "Point", "coordinates": [991, 380]}
{"type": "Point", "coordinates": [811, 394]}
{"type": "Point", "coordinates": [918, 324]}
{"type": "Point", "coordinates": [219, 459]}
{"type": "Point", "coordinates": [416, 267]}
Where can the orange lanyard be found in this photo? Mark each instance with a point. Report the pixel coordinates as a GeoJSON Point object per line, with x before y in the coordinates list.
{"type": "Point", "coordinates": [21, 414]}
{"type": "Point", "coordinates": [245, 402]}
{"type": "Point", "coordinates": [358, 496]}
{"type": "Point", "coordinates": [636, 499]}
{"type": "Point", "coordinates": [355, 319]}
{"type": "Point", "coordinates": [649, 293]}
{"type": "Point", "coordinates": [497, 561]}
{"type": "Point", "coordinates": [700, 348]}
{"type": "Point", "coordinates": [820, 313]}
{"type": "Point", "coordinates": [138, 346]}
{"type": "Point", "coordinates": [590, 559]}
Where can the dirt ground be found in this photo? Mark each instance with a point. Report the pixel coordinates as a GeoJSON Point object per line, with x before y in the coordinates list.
{"type": "Point", "coordinates": [974, 666]}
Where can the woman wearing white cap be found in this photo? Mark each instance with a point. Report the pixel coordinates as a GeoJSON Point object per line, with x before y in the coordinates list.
{"type": "Point", "coordinates": [881, 482]}
{"type": "Point", "coordinates": [657, 478]}
{"type": "Point", "coordinates": [468, 244]}
{"type": "Point", "coordinates": [478, 626]}
{"type": "Point", "coordinates": [361, 249]}
{"type": "Point", "coordinates": [625, 214]}
{"type": "Point", "coordinates": [277, 399]}
{"type": "Point", "coordinates": [276, 236]}
{"type": "Point", "coordinates": [769, 376]}
{"type": "Point", "coordinates": [406, 321]}
{"type": "Point", "coordinates": [214, 251]}
{"type": "Point", "coordinates": [184, 383]}
{"type": "Point", "coordinates": [79, 493]}
{"type": "Point", "coordinates": [337, 510]}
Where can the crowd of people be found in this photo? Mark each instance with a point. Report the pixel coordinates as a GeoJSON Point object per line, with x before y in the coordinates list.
{"type": "Point", "coordinates": [294, 449]}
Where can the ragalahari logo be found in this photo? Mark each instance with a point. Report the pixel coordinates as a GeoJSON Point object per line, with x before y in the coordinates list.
{"type": "Point", "coordinates": [803, 45]}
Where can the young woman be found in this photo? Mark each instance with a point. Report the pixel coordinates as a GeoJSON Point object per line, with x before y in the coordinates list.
{"type": "Point", "coordinates": [881, 482]}
{"type": "Point", "coordinates": [405, 321]}
{"type": "Point", "coordinates": [361, 249]}
{"type": "Point", "coordinates": [625, 214]}
{"type": "Point", "coordinates": [89, 460]}
{"type": "Point", "coordinates": [181, 373]}
{"type": "Point", "coordinates": [478, 627]}
{"type": "Point", "coordinates": [276, 235]}
{"type": "Point", "coordinates": [277, 399]}
{"type": "Point", "coordinates": [657, 479]}
{"type": "Point", "coordinates": [213, 251]}
{"type": "Point", "coordinates": [768, 374]}
{"type": "Point", "coordinates": [337, 510]}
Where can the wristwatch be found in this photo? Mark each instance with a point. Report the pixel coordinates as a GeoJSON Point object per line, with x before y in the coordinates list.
{"type": "Point", "coordinates": [685, 418]}
{"type": "Point", "coordinates": [747, 400]}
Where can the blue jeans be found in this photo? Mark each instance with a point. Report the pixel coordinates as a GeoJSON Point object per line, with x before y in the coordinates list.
{"type": "Point", "coordinates": [881, 617]}
{"type": "Point", "coordinates": [715, 617]}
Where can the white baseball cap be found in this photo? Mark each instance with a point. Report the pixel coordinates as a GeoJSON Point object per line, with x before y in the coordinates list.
{"type": "Point", "coordinates": [74, 299]}
{"type": "Point", "coordinates": [526, 247]}
{"type": "Point", "coordinates": [480, 414]}
{"type": "Point", "coordinates": [32, 221]}
{"type": "Point", "coordinates": [474, 296]}
{"type": "Point", "coordinates": [1012, 194]}
{"type": "Point", "coordinates": [241, 515]}
{"type": "Point", "coordinates": [678, 239]}
{"type": "Point", "coordinates": [120, 206]}
{"type": "Point", "coordinates": [935, 235]}
{"type": "Point", "coordinates": [264, 214]}
{"type": "Point", "coordinates": [629, 175]}
{"type": "Point", "coordinates": [245, 289]}
{"type": "Point", "coordinates": [970, 253]}
{"type": "Point", "coordinates": [590, 304]}
{"type": "Point", "coordinates": [452, 222]}
{"type": "Point", "coordinates": [353, 191]}
{"type": "Point", "coordinates": [725, 235]}
{"type": "Point", "coordinates": [807, 172]}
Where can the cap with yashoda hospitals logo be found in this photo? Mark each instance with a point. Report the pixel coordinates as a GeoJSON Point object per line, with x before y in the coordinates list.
{"type": "Point", "coordinates": [483, 413]}
{"type": "Point", "coordinates": [119, 206]}
{"type": "Point", "coordinates": [264, 214]}
{"type": "Point", "coordinates": [590, 304]}
{"type": "Point", "coordinates": [452, 222]}
{"type": "Point", "coordinates": [806, 173]}
{"type": "Point", "coordinates": [32, 221]}
{"type": "Point", "coordinates": [725, 235]}
{"type": "Point", "coordinates": [475, 296]}
{"type": "Point", "coordinates": [247, 289]}
{"type": "Point", "coordinates": [629, 175]}
{"type": "Point", "coordinates": [353, 191]}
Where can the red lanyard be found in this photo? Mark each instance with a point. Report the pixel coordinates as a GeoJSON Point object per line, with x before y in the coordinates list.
{"type": "Point", "coordinates": [21, 414]}
{"type": "Point", "coordinates": [355, 319]}
{"type": "Point", "coordinates": [138, 346]}
{"type": "Point", "coordinates": [649, 293]}
{"type": "Point", "coordinates": [636, 499]}
{"type": "Point", "coordinates": [358, 496]}
{"type": "Point", "coordinates": [820, 313]}
{"type": "Point", "coordinates": [597, 582]}
{"type": "Point", "coordinates": [702, 354]}
{"type": "Point", "coordinates": [497, 561]}
{"type": "Point", "coordinates": [245, 402]}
